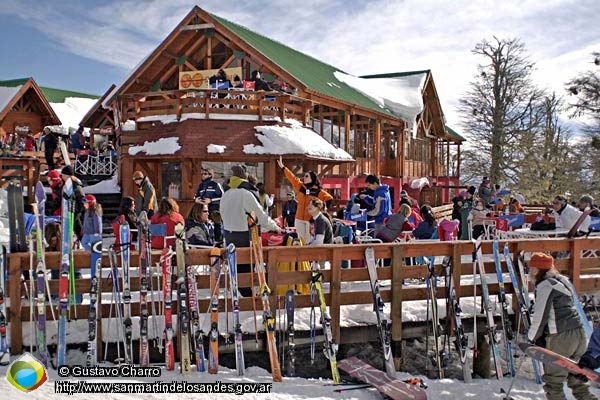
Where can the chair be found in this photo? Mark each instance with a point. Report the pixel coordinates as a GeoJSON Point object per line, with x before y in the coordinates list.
{"type": "Point", "coordinates": [159, 230]}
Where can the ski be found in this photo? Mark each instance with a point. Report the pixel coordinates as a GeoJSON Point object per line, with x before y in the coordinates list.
{"type": "Point", "coordinates": [167, 271]}
{"type": "Point", "coordinates": [331, 347]}
{"type": "Point", "coordinates": [115, 302]}
{"type": "Point", "coordinates": [4, 351]}
{"type": "Point", "coordinates": [461, 341]}
{"type": "Point", "coordinates": [213, 335]}
{"type": "Point", "coordinates": [382, 320]}
{"type": "Point", "coordinates": [197, 334]}
{"type": "Point", "coordinates": [127, 322]}
{"type": "Point", "coordinates": [435, 321]}
{"type": "Point", "coordinates": [291, 349]}
{"type": "Point", "coordinates": [265, 291]}
{"type": "Point", "coordinates": [96, 274]}
{"type": "Point", "coordinates": [549, 357]}
{"type": "Point", "coordinates": [182, 311]}
{"type": "Point", "coordinates": [11, 194]}
{"type": "Point", "coordinates": [63, 291]}
{"type": "Point", "coordinates": [522, 294]}
{"type": "Point", "coordinates": [38, 211]}
{"type": "Point", "coordinates": [393, 388]}
{"type": "Point", "coordinates": [487, 306]}
{"type": "Point", "coordinates": [507, 331]}
{"type": "Point", "coordinates": [145, 259]}
{"type": "Point", "coordinates": [235, 302]}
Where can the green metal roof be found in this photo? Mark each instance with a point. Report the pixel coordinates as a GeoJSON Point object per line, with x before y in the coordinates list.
{"type": "Point", "coordinates": [397, 74]}
{"type": "Point", "coordinates": [454, 134]}
{"type": "Point", "coordinates": [314, 74]}
{"type": "Point", "coordinates": [52, 95]}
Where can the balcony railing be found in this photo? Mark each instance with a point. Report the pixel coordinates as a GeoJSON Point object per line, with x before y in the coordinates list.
{"type": "Point", "coordinates": [212, 104]}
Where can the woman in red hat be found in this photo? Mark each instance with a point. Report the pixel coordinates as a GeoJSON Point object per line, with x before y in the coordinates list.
{"type": "Point", "coordinates": [556, 325]}
{"type": "Point", "coordinates": [92, 221]}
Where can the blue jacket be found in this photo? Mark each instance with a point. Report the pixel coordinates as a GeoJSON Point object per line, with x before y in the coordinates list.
{"type": "Point", "coordinates": [209, 189]}
{"type": "Point", "coordinates": [380, 204]}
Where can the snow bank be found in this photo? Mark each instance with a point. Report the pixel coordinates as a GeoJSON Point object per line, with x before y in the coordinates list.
{"type": "Point", "coordinates": [106, 186]}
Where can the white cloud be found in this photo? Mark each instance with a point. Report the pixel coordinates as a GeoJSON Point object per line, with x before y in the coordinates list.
{"type": "Point", "coordinates": [358, 38]}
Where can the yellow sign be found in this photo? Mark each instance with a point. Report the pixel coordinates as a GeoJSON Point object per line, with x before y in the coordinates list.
{"type": "Point", "coordinates": [199, 79]}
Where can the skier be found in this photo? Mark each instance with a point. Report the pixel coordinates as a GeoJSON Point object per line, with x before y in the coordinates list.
{"type": "Point", "coordinates": [92, 222]}
{"type": "Point", "coordinates": [146, 195]}
{"type": "Point", "coordinates": [556, 325]}
{"type": "Point", "coordinates": [50, 143]}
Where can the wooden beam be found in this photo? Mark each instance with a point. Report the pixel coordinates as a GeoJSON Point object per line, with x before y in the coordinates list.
{"type": "Point", "coordinates": [190, 50]}
{"type": "Point", "coordinates": [228, 61]}
{"type": "Point", "coordinates": [170, 55]}
{"type": "Point", "coordinates": [347, 131]}
{"type": "Point", "coordinates": [378, 147]}
{"type": "Point", "coordinates": [197, 27]}
{"type": "Point", "coordinates": [208, 53]}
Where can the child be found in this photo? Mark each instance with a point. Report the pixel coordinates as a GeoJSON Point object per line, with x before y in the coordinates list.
{"type": "Point", "coordinates": [92, 222]}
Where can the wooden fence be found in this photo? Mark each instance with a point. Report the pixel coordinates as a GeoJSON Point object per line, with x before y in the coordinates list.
{"type": "Point", "coordinates": [580, 269]}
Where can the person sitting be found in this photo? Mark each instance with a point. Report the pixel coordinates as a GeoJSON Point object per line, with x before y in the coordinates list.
{"type": "Point", "coordinates": [514, 207]}
{"type": "Point", "coordinates": [586, 202]}
{"type": "Point", "coordinates": [259, 84]}
{"type": "Point", "coordinates": [566, 216]}
{"type": "Point", "coordinates": [219, 80]}
{"type": "Point", "coordinates": [428, 227]}
{"type": "Point", "coordinates": [323, 231]}
{"type": "Point", "coordinates": [237, 82]}
{"type": "Point", "coordinates": [380, 204]}
{"type": "Point", "coordinates": [199, 230]}
{"type": "Point", "coordinates": [395, 225]}
{"type": "Point", "coordinates": [404, 198]}
{"type": "Point", "coordinates": [168, 213]}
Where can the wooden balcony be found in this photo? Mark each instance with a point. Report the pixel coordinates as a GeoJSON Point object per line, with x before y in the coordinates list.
{"type": "Point", "coordinates": [147, 108]}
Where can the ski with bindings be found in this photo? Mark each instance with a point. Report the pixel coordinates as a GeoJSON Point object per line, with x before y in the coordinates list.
{"type": "Point", "coordinates": [507, 331]}
{"type": "Point", "coordinates": [182, 295]}
{"type": "Point", "coordinates": [549, 357]}
{"type": "Point", "coordinates": [167, 271]}
{"type": "Point", "coordinates": [196, 334]}
{"type": "Point", "coordinates": [63, 286]}
{"type": "Point", "coordinates": [16, 218]}
{"type": "Point", "coordinates": [127, 322]}
{"type": "Point", "coordinates": [382, 320]}
{"type": "Point", "coordinates": [145, 259]}
{"type": "Point", "coordinates": [330, 349]}
{"type": "Point", "coordinates": [487, 306]}
{"type": "Point", "coordinates": [265, 291]}
{"type": "Point", "coordinates": [4, 350]}
{"type": "Point", "coordinates": [38, 211]}
{"type": "Point", "coordinates": [435, 321]}
{"type": "Point", "coordinates": [213, 335]}
{"type": "Point", "coordinates": [522, 294]}
{"type": "Point", "coordinates": [291, 349]}
{"type": "Point", "coordinates": [235, 302]}
{"type": "Point", "coordinates": [395, 389]}
{"type": "Point", "coordinates": [461, 341]}
{"type": "Point", "coordinates": [95, 274]}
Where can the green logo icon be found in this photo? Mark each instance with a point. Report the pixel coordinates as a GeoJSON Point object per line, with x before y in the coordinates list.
{"type": "Point", "coordinates": [26, 373]}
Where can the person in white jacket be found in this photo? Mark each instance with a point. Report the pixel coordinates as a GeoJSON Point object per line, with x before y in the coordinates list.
{"type": "Point", "coordinates": [565, 215]}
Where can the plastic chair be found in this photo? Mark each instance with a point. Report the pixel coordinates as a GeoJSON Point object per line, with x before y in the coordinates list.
{"type": "Point", "coordinates": [159, 230]}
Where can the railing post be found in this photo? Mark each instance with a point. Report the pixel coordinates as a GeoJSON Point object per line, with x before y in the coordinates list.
{"type": "Point", "coordinates": [14, 294]}
{"type": "Point", "coordinates": [575, 263]}
{"type": "Point", "coordinates": [396, 313]}
{"type": "Point", "coordinates": [334, 292]}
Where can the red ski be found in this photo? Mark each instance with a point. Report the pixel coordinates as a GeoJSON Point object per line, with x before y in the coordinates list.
{"type": "Point", "coordinates": [393, 388]}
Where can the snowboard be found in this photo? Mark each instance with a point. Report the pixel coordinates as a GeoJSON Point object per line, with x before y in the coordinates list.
{"type": "Point", "coordinates": [393, 388]}
{"type": "Point", "coordinates": [549, 357]}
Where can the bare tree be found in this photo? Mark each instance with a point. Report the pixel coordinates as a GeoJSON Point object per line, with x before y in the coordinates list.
{"type": "Point", "coordinates": [498, 107]}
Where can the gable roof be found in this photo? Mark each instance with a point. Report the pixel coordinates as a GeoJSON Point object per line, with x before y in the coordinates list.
{"type": "Point", "coordinates": [98, 109]}
{"type": "Point", "coordinates": [12, 90]}
{"type": "Point", "coordinates": [53, 95]}
{"type": "Point", "coordinates": [455, 134]}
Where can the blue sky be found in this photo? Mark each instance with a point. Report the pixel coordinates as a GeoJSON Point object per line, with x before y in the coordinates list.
{"type": "Point", "coordinates": [88, 45]}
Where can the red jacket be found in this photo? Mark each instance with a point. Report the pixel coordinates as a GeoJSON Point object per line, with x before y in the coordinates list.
{"type": "Point", "coordinates": [170, 221]}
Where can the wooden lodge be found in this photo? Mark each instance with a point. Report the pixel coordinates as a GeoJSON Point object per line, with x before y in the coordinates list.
{"type": "Point", "coordinates": [168, 96]}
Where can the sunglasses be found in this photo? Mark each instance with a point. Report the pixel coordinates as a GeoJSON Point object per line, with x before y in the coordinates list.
{"type": "Point", "coordinates": [204, 173]}
{"type": "Point", "coordinates": [306, 175]}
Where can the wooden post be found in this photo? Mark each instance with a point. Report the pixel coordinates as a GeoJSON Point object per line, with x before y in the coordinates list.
{"type": "Point", "coordinates": [347, 131]}
{"type": "Point", "coordinates": [575, 263]}
{"type": "Point", "coordinates": [402, 157]}
{"type": "Point", "coordinates": [377, 154]}
{"type": "Point", "coordinates": [334, 292]}
{"type": "Point", "coordinates": [396, 313]}
{"type": "Point", "coordinates": [456, 273]}
{"type": "Point", "coordinates": [14, 294]}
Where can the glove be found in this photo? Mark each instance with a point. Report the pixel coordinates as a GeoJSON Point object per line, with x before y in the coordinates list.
{"type": "Point", "coordinates": [587, 361]}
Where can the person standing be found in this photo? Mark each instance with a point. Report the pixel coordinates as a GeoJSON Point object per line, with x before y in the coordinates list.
{"type": "Point", "coordinates": [557, 326]}
{"type": "Point", "coordinates": [236, 204]}
{"type": "Point", "coordinates": [209, 192]}
{"type": "Point", "coordinates": [306, 189]}
{"type": "Point", "coordinates": [146, 195]}
{"type": "Point", "coordinates": [67, 173]}
{"type": "Point", "coordinates": [289, 210]}
{"type": "Point", "coordinates": [380, 204]}
{"type": "Point", "coordinates": [54, 200]}
{"type": "Point", "coordinates": [50, 145]}
{"type": "Point", "coordinates": [92, 222]}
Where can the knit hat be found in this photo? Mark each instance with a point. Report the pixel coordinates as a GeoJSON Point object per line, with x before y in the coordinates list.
{"type": "Point", "coordinates": [53, 174]}
{"type": "Point", "coordinates": [485, 179]}
{"type": "Point", "coordinates": [541, 261]}
{"type": "Point", "coordinates": [239, 171]}
{"type": "Point", "coordinates": [404, 193]}
{"type": "Point", "coordinates": [138, 175]}
{"type": "Point", "coordinates": [90, 199]}
{"type": "Point", "coordinates": [67, 170]}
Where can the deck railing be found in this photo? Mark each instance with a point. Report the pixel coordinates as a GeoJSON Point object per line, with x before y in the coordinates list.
{"type": "Point", "coordinates": [582, 269]}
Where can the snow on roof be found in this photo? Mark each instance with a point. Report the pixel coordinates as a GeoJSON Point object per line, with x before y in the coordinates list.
{"type": "Point", "coordinates": [168, 145]}
{"type": "Point", "coordinates": [403, 95]}
{"type": "Point", "coordinates": [71, 112]}
{"type": "Point", "coordinates": [7, 94]}
{"type": "Point", "coordinates": [293, 139]}
{"type": "Point", "coordinates": [215, 148]}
